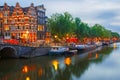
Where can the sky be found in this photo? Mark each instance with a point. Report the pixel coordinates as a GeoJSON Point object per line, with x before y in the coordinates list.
{"type": "Point", "coordinates": [104, 12]}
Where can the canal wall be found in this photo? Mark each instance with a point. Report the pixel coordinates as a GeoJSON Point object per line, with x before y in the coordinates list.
{"type": "Point", "coordinates": [16, 51]}
{"type": "Point", "coordinates": [39, 51]}
{"type": "Point", "coordinates": [24, 49]}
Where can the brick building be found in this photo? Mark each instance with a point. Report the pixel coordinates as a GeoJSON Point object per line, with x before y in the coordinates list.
{"type": "Point", "coordinates": [26, 24]}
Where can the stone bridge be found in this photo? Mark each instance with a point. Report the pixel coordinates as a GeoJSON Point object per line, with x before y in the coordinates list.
{"type": "Point", "coordinates": [16, 51]}
{"type": "Point", "coordinates": [7, 50]}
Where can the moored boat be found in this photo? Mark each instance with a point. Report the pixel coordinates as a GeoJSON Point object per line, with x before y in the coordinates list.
{"type": "Point", "coordinates": [71, 52]}
{"type": "Point", "coordinates": [105, 43]}
{"type": "Point", "coordinates": [58, 50]}
{"type": "Point", "coordinates": [85, 47]}
{"type": "Point", "coordinates": [98, 44]}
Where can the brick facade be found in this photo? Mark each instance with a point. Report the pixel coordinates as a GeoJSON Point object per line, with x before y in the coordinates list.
{"type": "Point", "coordinates": [26, 24]}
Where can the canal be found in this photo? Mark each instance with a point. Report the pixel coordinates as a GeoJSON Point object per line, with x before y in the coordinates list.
{"type": "Point", "coordinates": [100, 64]}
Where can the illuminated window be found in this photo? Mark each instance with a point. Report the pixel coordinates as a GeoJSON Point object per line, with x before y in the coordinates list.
{"type": "Point", "coordinates": [0, 15]}
{"type": "Point", "coordinates": [40, 28]}
{"type": "Point", "coordinates": [47, 34]}
{"type": "Point", "coordinates": [5, 21]}
{"type": "Point", "coordinates": [6, 28]}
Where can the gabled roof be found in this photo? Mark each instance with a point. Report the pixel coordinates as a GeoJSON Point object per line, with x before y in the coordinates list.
{"type": "Point", "coordinates": [25, 10]}
{"type": "Point", "coordinates": [11, 9]}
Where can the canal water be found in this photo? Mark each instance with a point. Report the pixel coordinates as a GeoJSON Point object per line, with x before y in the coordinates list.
{"type": "Point", "coordinates": [100, 64]}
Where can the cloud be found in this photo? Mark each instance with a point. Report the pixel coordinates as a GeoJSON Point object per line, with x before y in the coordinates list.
{"type": "Point", "coordinates": [104, 12]}
{"type": "Point", "coordinates": [115, 23]}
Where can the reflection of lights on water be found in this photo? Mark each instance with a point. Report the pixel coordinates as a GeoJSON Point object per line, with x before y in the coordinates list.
{"type": "Point", "coordinates": [67, 61]}
{"type": "Point", "coordinates": [25, 69]}
{"type": "Point", "coordinates": [89, 55]}
{"type": "Point", "coordinates": [27, 78]}
{"type": "Point", "coordinates": [96, 56]}
{"type": "Point", "coordinates": [40, 72]}
{"type": "Point", "coordinates": [114, 45]}
{"type": "Point", "coordinates": [55, 64]}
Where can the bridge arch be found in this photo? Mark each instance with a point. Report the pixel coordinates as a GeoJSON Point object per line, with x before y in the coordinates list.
{"type": "Point", "coordinates": [8, 52]}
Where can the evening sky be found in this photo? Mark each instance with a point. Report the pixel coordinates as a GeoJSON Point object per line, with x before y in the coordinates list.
{"type": "Point", "coordinates": [104, 12]}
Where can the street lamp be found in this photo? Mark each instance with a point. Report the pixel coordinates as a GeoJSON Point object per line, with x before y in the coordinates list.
{"type": "Point", "coordinates": [55, 36]}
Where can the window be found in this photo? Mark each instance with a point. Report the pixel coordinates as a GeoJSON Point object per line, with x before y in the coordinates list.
{"type": "Point", "coordinates": [0, 24]}
{"type": "Point", "coordinates": [5, 21]}
{"type": "Point", "coordinates": [6, 28]}
{"type": "Point", "coordinates": [7, 34]}
{"type": "Point", "coordinates": [18, 20]}
{"type": "Point", "coordinates": [27, 27]}
{"type": "Point", "coordinates": [5, 14]}
{"type": "Point", "coordinates": [23, 27]}
{"type": "Point", "coordinates": [0, 32]}
{"type": "Point", "coordinates": [17, 13]}
{"type": "Point", "coordinates": [18, 27]}
{"type": "Point", "coordinates": [41, 36]}
{"type": "Point", "coordinates": [34, 28]}
{"type": "Point", "coordinates": [30, 20]}
{"type": "Point", "coordinates": [12, 28]}
{"type": "Point", "coordinates": [13, 21]}
{"type": "Point", "coordinates": [47, 34]}
{"type": "Point", "coordinates": [38, 13]}
{"type": "Point", "coordinates": [0, 15]}
{"type": "Point", "coordinates": [32, 13]}
{"type": "Point", "coordinates": [40, 28]}
{"type": "Point", "coordinates": [30, 27]}
{"type": "Point", "coordinates": [22, 20]}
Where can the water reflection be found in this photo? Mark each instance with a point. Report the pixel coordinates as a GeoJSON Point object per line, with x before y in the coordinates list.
{"type": "Point", "coordinates": [53, 68]}
{"type": "Point", "coordinates": [27, 78]}
{"type": "Point", "coordinates": [40, 72]}
{"type": "Point", "coordinates": [55, 64]}
{"type": "Point", "coordinates": [97, 55]}
{"type": "Point", "coordinates": [114, 45]}
{"type": "Point", "coordinates": [67, 61]}
{"type": "Point", "coordinates": [25, 69]}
